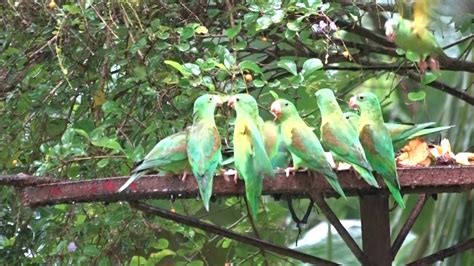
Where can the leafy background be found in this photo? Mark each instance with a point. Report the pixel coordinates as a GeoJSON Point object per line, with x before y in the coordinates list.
{"type": "Point", "coordinates": [88, 87]}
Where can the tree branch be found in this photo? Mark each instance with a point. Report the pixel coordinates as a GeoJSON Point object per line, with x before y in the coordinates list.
{"type": "Point", "coordinates": [444, 88]}
{"type": "Point", "coordinates": [229, 234]}
{"type": "Point", "coordinates": [444, 253]}
{"type": "Point", "coordinates": [397, 244]}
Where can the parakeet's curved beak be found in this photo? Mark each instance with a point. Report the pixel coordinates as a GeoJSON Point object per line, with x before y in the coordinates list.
{"type": "Point", "coordinates": [231, 102]}
{"type": "Point", "coordinates": [275, 109]}
{"type": "Point", "coordinates": [389, 32]}
{"type": "Point", "coordinates": [353, 102]}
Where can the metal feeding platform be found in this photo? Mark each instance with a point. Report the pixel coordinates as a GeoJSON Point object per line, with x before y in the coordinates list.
{"type": "Point", "coordinates": [378, 247]}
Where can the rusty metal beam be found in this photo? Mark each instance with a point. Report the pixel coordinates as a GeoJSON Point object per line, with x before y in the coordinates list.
{"type": "Point", "coordinates": [375, 223]}
{"type": "Point", "coordinates": [413, 180]}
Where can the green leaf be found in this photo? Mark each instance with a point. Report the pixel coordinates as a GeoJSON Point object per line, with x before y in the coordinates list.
{"type": "Point", "coordinates": [183, 47]}
{"type": "Point", "coordinates": [416, 95]}
{"type": "Point", "coordinates": [107, 143]}
{"type": "Point", "coordinates": [103, 163]}
{"type": "Point", "coordinates": [293, 26]}
{"type": "Point", "coordinates": [82, 133]}
{"type": "Point", "coordinates": [72, 9]}
{"type": "Point", "coordinates": [138, 261]}
{"type": "Point", "coordinates": [158, 256]}
{"type": "Point", "coordinates": [201, 30]}
{"type": "Point", "coordinates": [90, 250]}
{"type": "Point", "coordinates": [274, 94]}
{"type": "Point", "coordinates": [195, 263]}
{"type": "Point", "coordinates": [187, 32]}
{"type": "Point", "coordinates": [250, 65]}
{"type": "Point", "coordinates": [232, 32]}
{"type": "Point", "coordinates": [226, 243]}
{"type": "Point", "coordinates": [193, 68]}
{"type": "Point", "coordinates": [428, 77]}
{"type": "Point", "coordinates": [278, 16]}
{"type": "Point", "coordinates": [178, 67]}
{"type": "Point", "coordinates": [160, 244]}
{"type": "Point", "coordinates": [240, 45]}
{"type": "Point", "coordinates": [264, 22]}
{"type": "Point", "coordinates": [289, 65]}
{"type": "Point", "coordinates": [311, 65]}
{"type": "Point", "coordinates": [258, 83]}
{"type": "Point", "coordinates": [412, 56]}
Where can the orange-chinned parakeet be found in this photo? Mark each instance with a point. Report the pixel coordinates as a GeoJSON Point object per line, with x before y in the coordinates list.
{"type": "Point", "coordinates": [401, 133]}
{"type": "Point", "coordinates": [204, 145]}
{"type": "Point", "coordinates": [250, 158]}
{"type": "Point", "coordinates": [303, 143]}
{"type": "Point", "coordinates": [375, 139]}
{"type": "Point", "coordinates": [168, 156]}
{"type": "Point", "coordinates": [274, 145]}
{"type": "Point", "coordinates": [414, 35]}
{"type": "Point", "coordinates": [340, 137]}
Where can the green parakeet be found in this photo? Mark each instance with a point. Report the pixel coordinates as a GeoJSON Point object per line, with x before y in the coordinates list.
{"type": "Point", "coordinates": [409, 36]}
{"type": "Point", "coordinates": [168, 156]}
{"type": "Point", "coordinates": [375, 139]}
{"type": "Point", "coordinates": [274, 145]}
{"type": "Point", "coordinates": [401, 133]}
{"type": "Point", "coordinates": [204, 145]}
{"type": "Point", "coordinates": [340, 137]}
{"type": "Point", "coordinates": [303, 144]}
{"type": "Point", "coordinates": [250, 158]}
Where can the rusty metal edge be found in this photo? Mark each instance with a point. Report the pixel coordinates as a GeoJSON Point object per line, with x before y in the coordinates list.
{"type": "Point", "coordinates": [412, 180]}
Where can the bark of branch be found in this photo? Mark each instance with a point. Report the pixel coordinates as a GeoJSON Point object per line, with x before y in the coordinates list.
{"type": "Point", "coordinates": [229, 234]}
{"type": "Point", "coordinates": [444, 253]}
{"type": "Point", "coordinates": [444, 88]}
{"type": "Point", "coordinates": [397, 244]}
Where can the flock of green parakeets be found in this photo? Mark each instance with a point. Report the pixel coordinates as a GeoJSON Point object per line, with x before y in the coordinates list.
{"type": "Point", "coordinates": [260, 148]}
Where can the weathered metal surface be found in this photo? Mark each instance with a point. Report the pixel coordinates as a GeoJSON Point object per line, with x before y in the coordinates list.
{"type": "Point", "coordinates": [23, 180]}
{"type": "Point", "coordinates": [412, 180]}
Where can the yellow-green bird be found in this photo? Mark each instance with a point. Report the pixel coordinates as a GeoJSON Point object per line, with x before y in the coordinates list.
{"type": "Point", "coordinates": [375, 139]}
{"type": "Point", "coordinates": [340, 137]}
{"type": "Point", "coordinates": [302, 143]}
{"type": "Point", "coordinates": [204, 144]}
{"type": "Point", "coordinates": [250, 158]}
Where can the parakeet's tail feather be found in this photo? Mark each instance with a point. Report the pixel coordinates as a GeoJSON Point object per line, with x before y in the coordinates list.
{"type": "Point", "coordinates": [332, 180]}
{"type": "Point", "coordinates": [134, 177]}
{"type": "Point", "coordinates": [205, 188]}
{"type": "Point", "coordinates": [393, 188]}
{"type": "Point", "coordinates": [366, 175]}
{"type": "Point", "coordinates": [253, 190]}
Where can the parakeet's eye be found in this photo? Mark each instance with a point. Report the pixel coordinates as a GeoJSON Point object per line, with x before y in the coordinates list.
{"type": "Point", "coordinates": [286, 104]}
{"type": "Point", "coordinates": [210, 99]}
{"type": "Point", "coordinates": [237, 99]}
{"type": "Point", "coordinates": [361, 98]}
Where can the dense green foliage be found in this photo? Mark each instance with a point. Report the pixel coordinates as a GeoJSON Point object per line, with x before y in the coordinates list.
{"type": "Point", "coordinates": [88, 87]}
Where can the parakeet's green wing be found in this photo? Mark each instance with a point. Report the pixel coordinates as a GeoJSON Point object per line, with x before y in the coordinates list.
{"type": "Point", "coordinates": [204, 154]}
{"type": "Point", "coordinates": [305, 145]}
{"type": "Point", "coordinates": [343, 145]}
{"type": "Point", "coordinates": [169, 151]}
{"type": "Point", "coordinates": [379, 152]}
